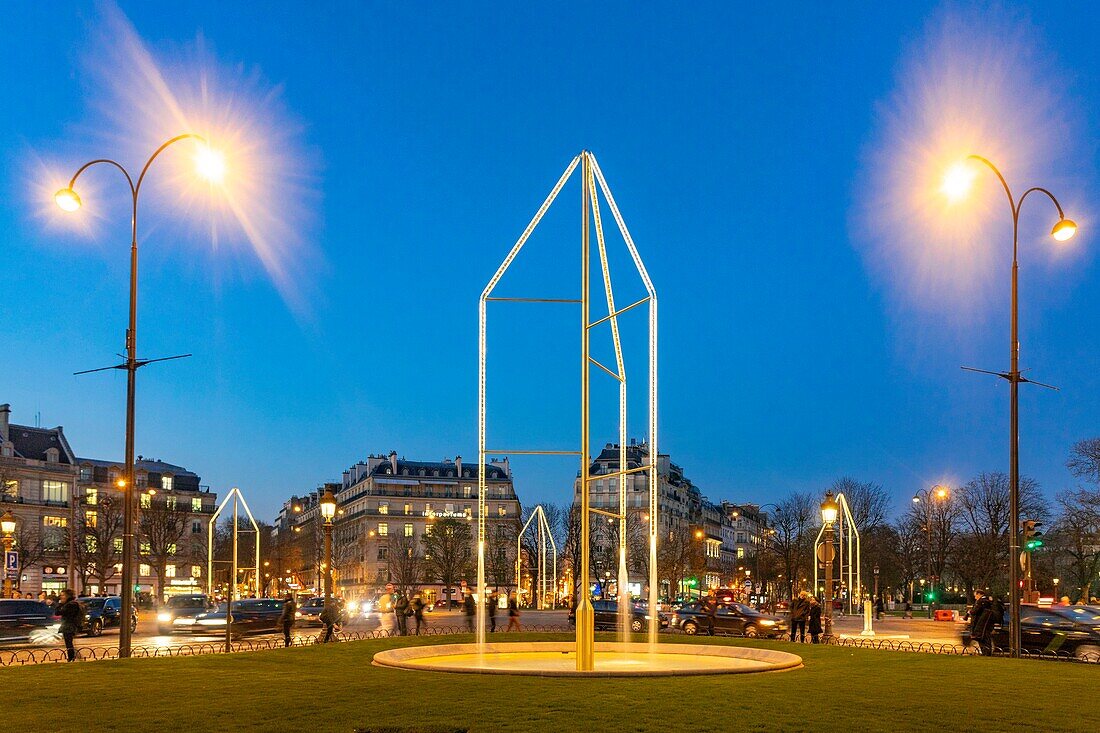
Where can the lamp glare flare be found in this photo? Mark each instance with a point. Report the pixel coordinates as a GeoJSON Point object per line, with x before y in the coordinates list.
{"type": "Point", "coordinates": [210, 164]}
{"type": "Point", "coordinates": [958, 180]}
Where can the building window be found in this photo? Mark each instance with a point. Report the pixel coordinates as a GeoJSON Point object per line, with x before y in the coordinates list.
{"type": "Point", "coordinates": [740, 553]}
{"type": "Point", "coordinates": [143, 569]}
{"type": "Point", "coordinates": [408, 508]}
{"type": "Point", "coordinates": [90, 519]}
{"type": "Point", "coordinates": [383, 553]}
{"type": "Point", "coordinates": [501, 511]}
{"type": "Point", "coordinates": [166, 483]}
{"type": "Point", "coordinates": [55, 491]}
{"type": "Point", "coordinates": [448, 508]}
{"type": "Point", "coordinates": [169, 571]}
{"type": "Point", "coordinates": [427, 510]}
{"type": "Point", "coordinates": [408, 529]}
{"type": "Point", "coordinates": [170, 502]}
{"type": "Point", "coordinates": [118, 544]}
{"type": "Point", "coordinates": [427, 529]}
{"type": "Point", "coordinates": [11, 488]}
{"type": "Point", "coordinates": [146, 501]}
{"type": "Point", "coordinates": [196, 527]}
{"type": "Point", "coordinates": [53, 533]}
{"type": "Point", "coordinates": [196, 571]}
{"type": "Point", "coordinates": [145, 548]}
{"type": "Point", "coordinates": [466, 491]}
{"type": "Point", "coordinates": [383, 507]}
{"type": "Point", "coordinates": [383, 529]}
{"type": "Point", "coordinates": [741, 537]}
{"type": "Point", "coordinates": [91, 496]}
{"type": "Point", "coordinates": [85, 473]}
{"type": "Point", "coordinates": [196, 504]}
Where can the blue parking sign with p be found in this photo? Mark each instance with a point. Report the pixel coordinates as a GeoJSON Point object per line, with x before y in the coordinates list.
{"type": "Point", "coordinates": [11, 560]}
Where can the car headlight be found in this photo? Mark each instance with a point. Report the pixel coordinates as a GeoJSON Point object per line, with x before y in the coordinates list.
{"type": "Point", "coordinates": [297, 614]}
{"type": "Point", "coordinates": [767, 622]}
{"type": "Point", "coordinates": [183, 621]}
{"type": "Point", "coordinates": [212, 622]}
{"type": "Point", "coordinates": [353, 606]}
{"type": "Point", "coordinates": [164, 617]}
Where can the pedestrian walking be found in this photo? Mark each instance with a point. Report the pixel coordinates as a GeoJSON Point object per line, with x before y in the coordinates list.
{"type": "Point", "coordinates": [385, 610]}
{"type": "Point", "coordinates": [710, 611]}
{"type": "Point", "coordinates": [329, 617]}
{"type": "Point", "coordinates": [494, 605]}
{"type": "Point", "coordinates": [72, 619]}
{"type": "Point", "coordinates": [813, 616]}
{"type": "Point", "coordinates": [981, 622]}
{"type": "Point", "coordinates": [513, 613]}
{"type": "Point", "coordinates": [880, 608]}
{"type": "Point", "coordinates": [799, 610]}
{"type": "Point", "coordinates": [417, 605]}
{"type": "Point", "coordinates": [286, 618]}
{"type": "Point", "coordinates": [469, 609]}
{"type": "Point", "coordinates": [401, 613]}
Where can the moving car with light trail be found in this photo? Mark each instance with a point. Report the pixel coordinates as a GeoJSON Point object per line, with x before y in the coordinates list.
{"type": "Point", "coordinates": [607, 617]}
{"type": "Point", "coordinates": [250, 616]}
{"type": "Point", "coordinates": [731, 619]}
{"type": "Point", "coordinates": [1051, 630]}
{"type": "Point", "coordinates": [28, 620]}
{"type": "Point", "coordinates": [179, 613]}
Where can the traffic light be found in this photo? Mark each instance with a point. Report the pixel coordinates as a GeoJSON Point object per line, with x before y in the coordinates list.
{"type": "Point", "coordinates": [930, 596]}
{"type": "Point", "coordinates": [1032, 535]}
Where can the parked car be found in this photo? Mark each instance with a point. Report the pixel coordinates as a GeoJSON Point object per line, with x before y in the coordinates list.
{"type": "Point", "coordinates": [179, 613]}
{"type": "Point", "coordinates": [104, 613]}
{"type": "Point", "coordinates": [309, 613]}
{"type": "Point", "coordinates": [1055, 629]}
{"type": "Point", "coordinates": [250, 616]}
{"type": "Point", "coordinates": [607, 617]}
{"type": "Point", "coordinates": [27, 620]}
{"type": "Point", "coordinates": [735, 619]}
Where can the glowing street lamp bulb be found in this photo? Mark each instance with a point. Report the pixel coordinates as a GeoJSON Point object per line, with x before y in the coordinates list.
{"type": "Point", "coordinates": [957, 181]}
{"type": "Point", "coordinates": [210, 164]}
{"type": "Point", "coordinates": [1063, 230]}
{"type": "Point", "coordinates": [67, 200]}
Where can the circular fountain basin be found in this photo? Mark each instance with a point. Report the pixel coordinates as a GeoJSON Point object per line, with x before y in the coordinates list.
{"type": "Point", "coordinates": [613, 659]}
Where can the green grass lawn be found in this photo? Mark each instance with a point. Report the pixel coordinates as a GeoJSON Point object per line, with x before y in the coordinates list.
{"type": "Point", "coordinates": [335, 688]}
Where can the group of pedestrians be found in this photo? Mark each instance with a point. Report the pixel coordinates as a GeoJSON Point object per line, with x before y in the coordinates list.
{"type": "Point", "coordinates": [985, 614]}
{"type": "Point", "coordinates": [492, 602]}
{"type": "Point", "coordinates": [395, 609]}
{"type": "Point", "coordinates": [806, 615]}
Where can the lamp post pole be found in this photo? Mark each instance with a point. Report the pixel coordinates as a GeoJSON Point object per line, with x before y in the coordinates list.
{"type": "Point", "coordinates": [829, 511]}
{"type": "Point", "coordinates": [1063, 230]}
{"type": "Point", "coordinates": [68, 200]}
{"type": "Point", "coordinates": [7, 528]}
{"type": "Point", "coordinates": [328, 513]}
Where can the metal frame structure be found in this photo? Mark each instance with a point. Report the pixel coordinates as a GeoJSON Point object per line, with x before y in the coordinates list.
{"type": "Point", "coordinates": [237, 496]}
{"type": "Point", "coordinates": [845, 529]}
{"type": "Point", "coordinates": [547, 582]}
{"type": "Point", "coordinates": [590, 218]}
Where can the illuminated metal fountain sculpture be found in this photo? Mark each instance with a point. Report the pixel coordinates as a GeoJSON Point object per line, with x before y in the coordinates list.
{"type": "Point", "coordinates": [544, 583]}
{"type": "Point", "coordinates": [590, 221]}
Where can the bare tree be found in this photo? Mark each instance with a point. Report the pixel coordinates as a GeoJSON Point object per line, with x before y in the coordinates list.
{"type": "Point", "coordinates": [1084, 460]}
{"type": "Point", "coordinates": [30, 543]}
{"type": "Point", "coordinates": [938, 519]}
{"type": "Point", "coordinates": [867, 501]}
{"type": "Point", "coordinates": [909, 553]}
{"type": "Point", "coordinates": [500, 552]}
{"type": "Point", "coordinates": [1076, 538]}
{"type": "Point", "coordinates": [160, 526]}
{"type": "Point", "coordinates": [405, 563]}
{"type": "Point", "coordinates": [96, 530]}
{"type": "Point", "coordinates": [447, 552]}
{"type": "Point", "coordinates": [792, 543]}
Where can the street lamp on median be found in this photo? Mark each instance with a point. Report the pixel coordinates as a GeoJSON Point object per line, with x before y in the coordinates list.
{"type": "Point", "coordinates": [829, 510]}
{"type": "Point", "coordinates": [328, 511]}
{"type": "Point", "coordinates": [67, 199]}
{"type": "Point", "coordinates": [956, 185]}
{"type": "Point", "coordinates": [7, 529]}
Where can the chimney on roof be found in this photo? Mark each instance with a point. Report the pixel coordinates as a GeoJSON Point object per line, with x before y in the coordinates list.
{"type": "Point", "coordinates": [393, 461]}
{"type": "Point", "coordinates": [5, 416]}
{"type": "Point", "coordinates": [458, 466]}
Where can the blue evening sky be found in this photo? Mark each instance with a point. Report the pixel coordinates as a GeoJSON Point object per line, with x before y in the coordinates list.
{"type": "Point", "coordinates": [736, 138]}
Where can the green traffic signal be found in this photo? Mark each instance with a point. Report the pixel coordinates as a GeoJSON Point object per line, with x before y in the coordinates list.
{"type": "Point", "coordinates": [1033, 544]}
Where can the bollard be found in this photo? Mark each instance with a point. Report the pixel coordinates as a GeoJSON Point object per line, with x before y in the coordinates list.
{"type": "Point", "coordinates": [868, 621]}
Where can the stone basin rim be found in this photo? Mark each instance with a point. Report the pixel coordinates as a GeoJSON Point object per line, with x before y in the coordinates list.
{"type": "Point", "coordinates": [766, 660]}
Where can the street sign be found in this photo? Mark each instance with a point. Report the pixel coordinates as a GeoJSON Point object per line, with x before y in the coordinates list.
{"type": "Point", "coordinates": [748, 583]}
{"type": "Point", "coordinates": [11, 561]}
{"type": "Point", "coordinates": [826, 553]}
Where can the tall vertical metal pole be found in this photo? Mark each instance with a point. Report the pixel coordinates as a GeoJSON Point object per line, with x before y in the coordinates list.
{"type": "Point", "coordinates": [1014, 450]}
{"type": "Point", "coordinates": [128, 554]}
{"type": "Point", "coordinates": [232, 587]}
{"type": "Point", "coordinates": [585, 618]}
{"type": "Point", "coordinates": [328, 562]}
{"type": "Point", "coordinates": [828, 580]}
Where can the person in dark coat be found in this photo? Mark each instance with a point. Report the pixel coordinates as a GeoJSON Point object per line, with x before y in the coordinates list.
{"type": "Point", "coordinates": [417, 604]}
{"type": "Point", "coordinates": [286, 618]}
{"type": "Point", "coordinates": [329, 616]}
{"type": "Point", "coordinates": [710, 611]}
{"type": "Point", "coordinates": [469, 609]}
{"type": "Point", "coordinates": [401, 613]}
{"type": "Point", "coordinates": [513, 613]}
{"type": "Point", "coordinates": [72, 619]}
{"type": "Point", "coordinates": [880, 608]}
{"type": "Point", "coordinates": [799, 610]}
{"type": "Point", "coordinates": [813, 616]}
{"type": "Point", "coordinates": [493, 607]}
{"type": "Point", "coordinates": [981, 622]}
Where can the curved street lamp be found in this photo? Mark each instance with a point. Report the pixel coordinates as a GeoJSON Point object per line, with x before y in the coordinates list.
{"type": "Point", "coordinates": [830, 508]}
{"type": "Point", "coordinates": [328, 511]}
{"type": "Point", "coordinates": [210, 165]}
{"type": "Point", "coordinates": [956, 184]}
